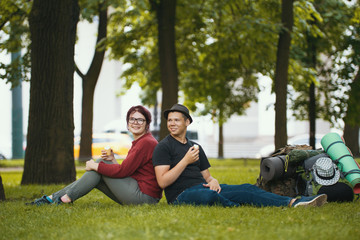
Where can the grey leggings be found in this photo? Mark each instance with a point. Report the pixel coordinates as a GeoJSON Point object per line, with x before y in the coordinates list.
{"type": "Point", "coordinates": [121, 190]}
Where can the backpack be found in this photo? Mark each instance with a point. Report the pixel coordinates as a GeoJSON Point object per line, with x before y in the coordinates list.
{"type": "Point", "coordinates": [290, 172]}
{"type": "Point", "coordinates": [277, 175]}
{"type": "Point", "coordinates": [320, 175]}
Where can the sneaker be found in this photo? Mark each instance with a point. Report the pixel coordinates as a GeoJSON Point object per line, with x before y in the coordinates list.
{"type": "Point", "coordinates": [41, 201]}
{"type": "Point", "coordinates": [58, 201]}
{"type": "Point", "coordinates": [314, 201]}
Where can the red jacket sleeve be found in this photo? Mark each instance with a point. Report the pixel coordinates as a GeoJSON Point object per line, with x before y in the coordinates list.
{"type": "Point", "coordinates": [136, 158]}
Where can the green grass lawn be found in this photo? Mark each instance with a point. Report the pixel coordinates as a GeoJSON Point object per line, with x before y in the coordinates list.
{"type": "Point", "coordinates": [97, 217]}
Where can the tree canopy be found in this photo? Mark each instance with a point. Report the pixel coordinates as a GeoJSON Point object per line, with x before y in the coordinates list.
{"type": "Point", "coordinates": [221, 48]}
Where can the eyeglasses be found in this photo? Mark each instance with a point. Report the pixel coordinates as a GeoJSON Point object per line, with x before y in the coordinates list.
{"type": "Point", "coordinates": [137, 120]}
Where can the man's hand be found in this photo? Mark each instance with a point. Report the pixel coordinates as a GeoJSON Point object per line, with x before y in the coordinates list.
{"type": "Point", "coordinates": [192, 155]}
{"type": "Point", "coordinates": [213, 185]}
{"type": "Point", "coordinates": [166, 176]}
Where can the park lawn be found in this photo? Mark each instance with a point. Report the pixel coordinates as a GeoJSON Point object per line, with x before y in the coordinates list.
{"type": "Point", "coordinates": [97, 217]}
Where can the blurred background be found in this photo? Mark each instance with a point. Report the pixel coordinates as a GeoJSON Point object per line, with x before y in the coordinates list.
{"type": "Point", "coordinates": [248, 136]}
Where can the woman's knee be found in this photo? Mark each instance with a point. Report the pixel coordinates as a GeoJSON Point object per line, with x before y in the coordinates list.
{"type": "Point", "coordinates": [104, 161]}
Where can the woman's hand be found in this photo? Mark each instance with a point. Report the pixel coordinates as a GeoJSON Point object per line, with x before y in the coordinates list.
{"type": "Point", "coordinates": [91, 165]}
{"type": "Point", "coordinates": [107, 157]}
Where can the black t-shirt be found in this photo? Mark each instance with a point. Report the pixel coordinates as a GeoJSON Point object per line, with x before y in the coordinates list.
{"type": "Point", "coordinates": [169, 151]}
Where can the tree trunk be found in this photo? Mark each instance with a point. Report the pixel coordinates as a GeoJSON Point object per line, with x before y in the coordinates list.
{"type": "Point", "coordinates": [351, 137]}
{"type": "Point", "coordinates": [2, 190]}
{"type": "Point", "coordinates": [221, 142]}
{"type": "Point", "coordinates": [312, 115]}
{"type": "Point", "coordinates": [281, 73]}
{"type": "Point", "coordinates": [165, 13]}
{"type": "Point", "coordinates": [352, 119]}
{"type": "Point", "coordinates": [89, 84]}
{"type": "Point", "coordinates": [49, 155]}
{"type": "Point", "coordinates": [311, 51]}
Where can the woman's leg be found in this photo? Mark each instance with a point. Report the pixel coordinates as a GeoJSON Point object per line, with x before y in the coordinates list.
{"type": "Point", "coordinates": [80, 187]}
{"type": "Point", "coordinates": [125, 191]}
{"type": "Point", "coordinates": [121, 190]}
{"type": "Point", "coordinates": [247, 194]}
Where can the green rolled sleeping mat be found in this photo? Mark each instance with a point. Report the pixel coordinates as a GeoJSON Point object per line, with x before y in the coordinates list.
{"type": "Point", "coordinates": [335, 147]}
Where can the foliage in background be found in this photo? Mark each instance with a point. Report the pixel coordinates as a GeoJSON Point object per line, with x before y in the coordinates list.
{"type": "Point", "coordinates": [220, 51]}
{"type": "Point", "coordinates": [14, 37]}
{"type": "Point", "coordinates": [232, 45]}
{"type": "Point", "coordinates": [328, 24]}
{"type": "Point", "coordinates": [132, 39]}
{"type": "Point", "coordinates": [342, 73]}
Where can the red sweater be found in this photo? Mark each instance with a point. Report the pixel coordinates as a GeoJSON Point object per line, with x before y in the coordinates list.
{"type": "Point", "coordinates": [138, 165]}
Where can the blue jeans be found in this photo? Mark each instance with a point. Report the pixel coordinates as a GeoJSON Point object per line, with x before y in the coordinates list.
{"type": "Point", "coordinates": [231, 195]}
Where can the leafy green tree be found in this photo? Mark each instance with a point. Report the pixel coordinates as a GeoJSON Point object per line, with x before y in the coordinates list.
{"type": "Point", "coordinates": [221, 46]}
{"type": "Point", "coordinates": [90, 79]}
{"type": "Point", "coordinates": [343, 93]}
{"type": "Point", "coordinates": [219, 52]}
{"type": "Point", "coordinates": [142, 34]}
{"type": "Point", "coordinates": [323, 26]}
{"type": "Point", "coordinates": [351, 70]}
{"type": "Point", "coordinates": [12, 29]}
{"type": "Point", "coordinates": [221, 61]}
{"type": "Point", "coordinates": [49, 156]}
{"type": "Point", "coordinates": [14, 37]}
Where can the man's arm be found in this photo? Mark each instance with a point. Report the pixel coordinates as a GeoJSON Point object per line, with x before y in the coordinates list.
{"type": "Point", "coordinates": [212, 183]}
{"type": "Point", "coordinates": [166, 176]}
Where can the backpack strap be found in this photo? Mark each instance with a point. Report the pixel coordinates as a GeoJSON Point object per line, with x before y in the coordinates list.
{"type": "Point", "coordinates": [286, 163]}
{"type": "Point", "coordinates": [336, 161]}
{"type": "Point", "coordinates": [351, 172]}
{"type": "Point", "coordinates": [357, 197]}
{"type": "Point", "coordinates": [333, 144]}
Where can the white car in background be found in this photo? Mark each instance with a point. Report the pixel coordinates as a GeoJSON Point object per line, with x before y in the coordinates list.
{"type": "Point", "coordinates": [296, 140]}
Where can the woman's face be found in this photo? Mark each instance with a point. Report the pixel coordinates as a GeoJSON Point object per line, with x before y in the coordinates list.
{"type": "Point", "coordinates": [137, 124]}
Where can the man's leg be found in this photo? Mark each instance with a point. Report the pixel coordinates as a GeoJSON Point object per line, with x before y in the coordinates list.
{"type": "Point", "coordinates": [247, 194]}
{"type": "Point", "coordinates": [200, 195]}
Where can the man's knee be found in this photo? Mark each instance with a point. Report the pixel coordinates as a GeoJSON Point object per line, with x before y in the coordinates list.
{"type": "Point", "coordinates": [208, 197]}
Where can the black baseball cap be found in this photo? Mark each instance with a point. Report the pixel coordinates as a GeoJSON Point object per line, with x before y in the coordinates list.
{"type": "Point", "coordinates": [178, 108]}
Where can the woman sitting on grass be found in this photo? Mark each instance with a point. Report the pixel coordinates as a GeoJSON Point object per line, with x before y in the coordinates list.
{"type": "Point", "coordinates": [132, 182]}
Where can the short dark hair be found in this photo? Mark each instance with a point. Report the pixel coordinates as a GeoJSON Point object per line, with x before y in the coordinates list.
{"type": "Point", "coordinates": [143, 111]}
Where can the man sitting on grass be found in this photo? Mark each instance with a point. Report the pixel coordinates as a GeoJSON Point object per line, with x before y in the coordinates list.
{"type": "Point", "coordinates": [182, 170]}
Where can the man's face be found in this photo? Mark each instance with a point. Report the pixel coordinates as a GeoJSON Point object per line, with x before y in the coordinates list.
{"type": "Point", "coordinates": [177, 124]}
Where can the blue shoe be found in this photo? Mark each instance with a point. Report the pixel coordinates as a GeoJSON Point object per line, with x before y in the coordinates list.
{"type": "Point", "coordinates": [58, 201]}
{"type": "Point", "coordinates": [41, 201]}
{"type": "Point", "coordinates": [314, 201]}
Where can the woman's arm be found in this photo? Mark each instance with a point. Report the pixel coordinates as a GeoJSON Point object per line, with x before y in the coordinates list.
{"type": "Point", "coordinates": [91, 165]}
